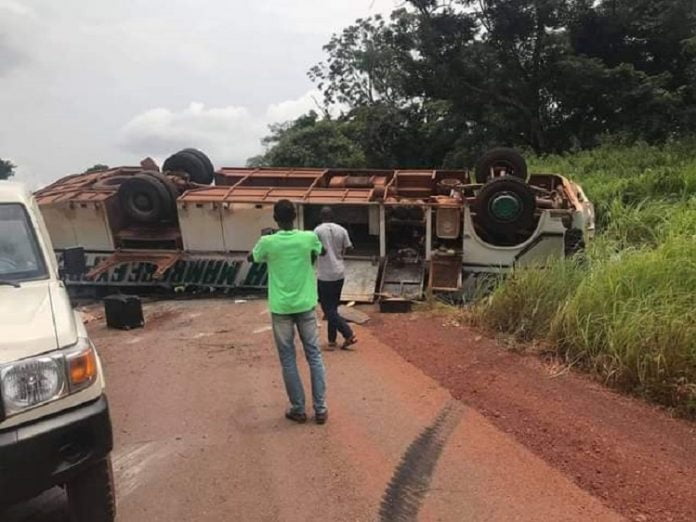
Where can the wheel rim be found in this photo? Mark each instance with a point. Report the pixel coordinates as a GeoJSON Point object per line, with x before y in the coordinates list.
{"type": "Point", "coordinates": [505, 207]}
{"type": "Point", "coordinates": [506, 167]}
{"type": "Point", "coordinates": [143, 203]}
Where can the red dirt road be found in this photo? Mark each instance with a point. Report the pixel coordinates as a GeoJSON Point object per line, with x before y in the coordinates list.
{"type": "Point", "coordinates": [632, 456]}
{"type": "Point", "coordinates": [197, 404]}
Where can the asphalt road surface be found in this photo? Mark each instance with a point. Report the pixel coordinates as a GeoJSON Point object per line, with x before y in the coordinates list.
{"type": "Point", "coordinates": [197, 405]}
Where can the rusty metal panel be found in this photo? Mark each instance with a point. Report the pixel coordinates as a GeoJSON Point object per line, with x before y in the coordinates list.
{"type": "Point", "coordinates": [404, 280]}
{"type": "Point", "coordinates": [446, 272]}
{"type": "Point", "coordinates": [204, 194]}
{"type": "Point", "coordinates": [145, 236]}
{"type": "Point", "coordinates": [360, 280]}
{"type": "Point", "coordinates": [79, 187]}
{"type": "Point", "coordinates": [267, 176]}
{"type": "Point", "coordinates": [339, 195]}
{"type": "Point", "coordinates": [163, 261]}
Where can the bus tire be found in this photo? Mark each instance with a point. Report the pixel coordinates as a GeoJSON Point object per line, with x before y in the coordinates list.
{"type": "Point", "coordinates": [501, 157]}
{"type": "Point", "coordinates": [145, 200]}
{"type": "Point", "coordinates": [190, 164]}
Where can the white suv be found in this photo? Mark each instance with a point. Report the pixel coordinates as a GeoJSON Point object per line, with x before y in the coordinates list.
{"type": "Point", "coordinates": [55, 427]}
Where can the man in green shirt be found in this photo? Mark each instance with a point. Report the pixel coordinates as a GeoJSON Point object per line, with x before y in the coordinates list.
{"type": "Point", "coordinates": [292, 298]}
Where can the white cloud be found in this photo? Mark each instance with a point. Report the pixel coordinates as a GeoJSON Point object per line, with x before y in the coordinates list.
{"type": "Point", "coordinates": [229, 135]}
{"type": "Point", "coordinates": [320, 16]}
{"type": "Point", "coordinates": [16, 8]}
{"type": "Point", "coordinates": [73, 72]}
{"type": "Point", "coordinates": [291, 109]}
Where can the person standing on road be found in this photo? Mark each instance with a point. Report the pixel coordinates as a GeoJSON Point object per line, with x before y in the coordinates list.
{"type": "Point", "coordinates": [292, 298]}
{"type": "Point", "coordinates": [331, 275]}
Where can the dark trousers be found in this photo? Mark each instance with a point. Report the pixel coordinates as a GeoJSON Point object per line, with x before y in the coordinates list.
{"type": "Point", "coordinates": [330, 298]}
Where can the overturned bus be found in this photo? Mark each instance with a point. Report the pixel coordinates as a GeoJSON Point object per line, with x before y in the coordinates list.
{"type": "Point", "coordinates": [189, 227]}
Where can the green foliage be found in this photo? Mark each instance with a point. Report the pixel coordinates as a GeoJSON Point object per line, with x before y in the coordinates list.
{"type": "Point", "coordinates": [526, 303]}
{"type": "Point", "coordinates": [362, 67]}
{"type": "Point", "coordinates": [310, 142]}
{"type": "Point", "coordinates": [6, 169]}
{"type": "Point", "coordinates": [97, 168]}
{"type": "Point", "coordinates": [631, 321]}
{"type": "Point", "coordinates": [439, 82]}
{"type": "Point", "coordinates": [626, 312]}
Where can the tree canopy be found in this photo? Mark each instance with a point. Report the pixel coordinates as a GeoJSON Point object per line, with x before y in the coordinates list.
{"type": "Point", "coordinates": [440, 81]}
{"type": "Point", "coordinates": [6, 169]}
{"type": "Point", "coordinates": [97, 168]}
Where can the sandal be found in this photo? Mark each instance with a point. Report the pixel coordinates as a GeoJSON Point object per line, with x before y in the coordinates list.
{"type": "Point", "coordinates": [349, 342]}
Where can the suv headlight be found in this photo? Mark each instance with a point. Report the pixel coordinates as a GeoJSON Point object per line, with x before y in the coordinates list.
{"type": "Point", "coordinates": [39, 380]}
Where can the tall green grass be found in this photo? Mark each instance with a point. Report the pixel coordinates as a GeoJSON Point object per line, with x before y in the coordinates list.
{"type": "Point", "coordinates": [627, 310]}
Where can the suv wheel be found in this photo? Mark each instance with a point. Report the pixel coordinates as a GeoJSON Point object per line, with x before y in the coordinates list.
{"type": "Point", "coordinates": [91, 494]}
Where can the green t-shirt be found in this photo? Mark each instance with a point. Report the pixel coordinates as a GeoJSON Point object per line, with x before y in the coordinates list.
{"type": "Point", "coordinates": [292, 285]}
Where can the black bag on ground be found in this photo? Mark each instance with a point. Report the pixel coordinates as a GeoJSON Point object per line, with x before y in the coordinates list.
{"type": "Point", "coordinates": [123, 311]}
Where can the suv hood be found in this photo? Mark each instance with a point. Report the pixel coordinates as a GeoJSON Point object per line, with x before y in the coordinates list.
{"type": "Point", "coordinates": [34, 319]}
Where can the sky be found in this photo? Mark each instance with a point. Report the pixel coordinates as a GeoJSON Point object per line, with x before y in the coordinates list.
{"type": "Point", "coordinates": [103, 81]}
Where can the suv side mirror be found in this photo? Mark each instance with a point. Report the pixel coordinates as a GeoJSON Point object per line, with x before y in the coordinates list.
{"type": "Point", "coordinates": [74, 261]}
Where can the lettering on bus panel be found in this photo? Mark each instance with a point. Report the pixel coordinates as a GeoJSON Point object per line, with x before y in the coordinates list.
{"type": "Point", "coordinates": [203, 272]}
{"type": "Point", "coordinates": [256, 276]}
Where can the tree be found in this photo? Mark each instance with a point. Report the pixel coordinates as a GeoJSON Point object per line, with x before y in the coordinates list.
{"type": "Point", "coordinates": [310, 142]}
{"type": "Point", "coordinates": [372, 76]}
{"type": "Point", "coordinates": [362, 68]}
{"type": "Point", "coordinates": [441, 81]}
{"type": "Point", "coordinates": [657, 39]}
{"type": "Point", "coordinates": [97, 168]}
{"type": "Point", "coordinates": [6, 169]}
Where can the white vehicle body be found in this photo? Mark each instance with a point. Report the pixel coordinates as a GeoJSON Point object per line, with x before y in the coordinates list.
{"type": "Point", "coordinates": [37, 318]}
{"type": "Point", "coordinates": [414, 230]}
{"type": "Point", "coordinates": [51, 380]}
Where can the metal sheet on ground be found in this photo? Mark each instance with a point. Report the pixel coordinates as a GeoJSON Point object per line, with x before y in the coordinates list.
{"type": "Point", "coordinates": [405, 281]}
{"type": "Point", "coordinates": [361, 280]}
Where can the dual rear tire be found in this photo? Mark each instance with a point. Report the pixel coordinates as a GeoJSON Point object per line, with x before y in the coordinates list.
{"type": "Point", "coordinates": [148, 198]}
{"type": "Point", "coordinates": [192, 163]}
{"type": "Point", "coordinates": [505, 205]}
{"type": "Point", "coordinates": [501, 161]}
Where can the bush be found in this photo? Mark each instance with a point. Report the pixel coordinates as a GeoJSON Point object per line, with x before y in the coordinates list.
{"type": "Point", "coordinates": [631, 321]}
{"type": "Point", "coordinates": [627, 314]}
{"type": "Point", "coordinates": [525, 304]}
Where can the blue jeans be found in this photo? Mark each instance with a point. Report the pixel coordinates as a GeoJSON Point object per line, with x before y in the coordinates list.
{"type": "Point", "coordinates": [284, 334]}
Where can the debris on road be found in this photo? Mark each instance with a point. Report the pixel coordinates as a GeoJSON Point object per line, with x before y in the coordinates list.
{"type": "Point", "coordinates": [353, 315]}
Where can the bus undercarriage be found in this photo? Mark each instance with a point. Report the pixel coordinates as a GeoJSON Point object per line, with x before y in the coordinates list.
{"type": "Point", "coordinates": [414, 231]}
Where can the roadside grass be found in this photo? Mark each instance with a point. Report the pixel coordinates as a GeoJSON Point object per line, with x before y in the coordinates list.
{"type": "Point", "coordinates": [626, 310]}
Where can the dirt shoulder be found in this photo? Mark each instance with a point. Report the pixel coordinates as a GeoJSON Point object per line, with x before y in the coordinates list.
{"type": "Point", "coordinates": [631, 455]}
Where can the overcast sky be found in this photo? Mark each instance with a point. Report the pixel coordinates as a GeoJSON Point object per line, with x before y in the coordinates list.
{"type": "Point", "coordinates": [112, 81]}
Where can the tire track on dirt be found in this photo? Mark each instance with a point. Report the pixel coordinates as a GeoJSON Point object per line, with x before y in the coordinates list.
{"type": "Point", "coordinates": [410, 482]}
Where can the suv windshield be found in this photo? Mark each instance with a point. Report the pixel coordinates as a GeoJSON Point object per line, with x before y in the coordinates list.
{"type": "Point", "coordinates": [20, 256]}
